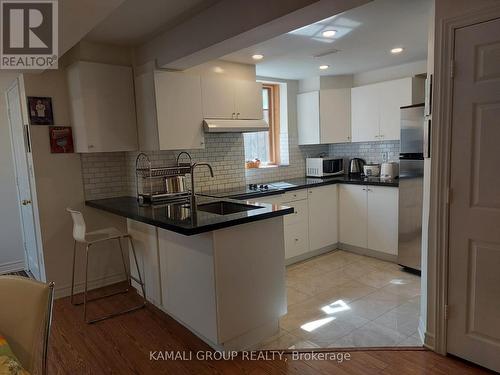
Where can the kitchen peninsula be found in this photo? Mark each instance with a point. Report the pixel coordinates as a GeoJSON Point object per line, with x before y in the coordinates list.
{"type": "Point", "coordinates": [219, 270]}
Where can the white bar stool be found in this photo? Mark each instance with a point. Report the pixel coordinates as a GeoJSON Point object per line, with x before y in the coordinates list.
{"type": "Point", "coordinates": [81, 236]}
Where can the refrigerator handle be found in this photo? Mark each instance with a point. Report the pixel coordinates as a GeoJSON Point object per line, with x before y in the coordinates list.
{"type": "Point", "coordinates": [427, 138]}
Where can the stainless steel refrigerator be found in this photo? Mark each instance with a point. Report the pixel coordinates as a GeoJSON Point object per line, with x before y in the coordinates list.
{"type": "Point", "coordinates": [411, 184]}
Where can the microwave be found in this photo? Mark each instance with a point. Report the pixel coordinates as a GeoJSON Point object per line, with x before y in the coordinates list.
{"type": "Point", "coordinates": [324, 167]}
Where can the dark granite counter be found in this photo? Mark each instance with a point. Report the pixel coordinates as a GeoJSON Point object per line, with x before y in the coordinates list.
{"type": "Point", "coordinates": [179, 218]}
{"type": "Point", "coordinates": [280, 187]}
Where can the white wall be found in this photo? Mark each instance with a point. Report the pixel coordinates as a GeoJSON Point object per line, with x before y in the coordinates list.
{"type": "Point", "coordinates": [390, 73]}
{"type": "Point", "coordinates": [59, 185]}
{"type": "Point", "coordinates": [11, 243]}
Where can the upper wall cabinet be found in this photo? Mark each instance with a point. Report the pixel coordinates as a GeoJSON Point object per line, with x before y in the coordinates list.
{"type": "Point", "coordinates": [169, 111]}
{"type": "Point", "coordinates": [102, 107]}
{"type": "Point", "coordinates": [375, 109]}
{"type": "Point", "coordinates": [324, 116]}
{"type": "Point", "coordinates": [231, 99]}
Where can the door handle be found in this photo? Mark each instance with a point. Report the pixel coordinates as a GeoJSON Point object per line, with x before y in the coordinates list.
{"type": "Point", "coordinates": [25, 202]}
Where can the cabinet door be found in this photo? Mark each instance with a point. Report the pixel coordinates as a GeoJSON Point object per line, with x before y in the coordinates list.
{"type": "Point", "coordinates": [392, 96]}
{"type": "Point", "coordinates": [353, 215]}
{"type": "Point", "coordinates": [308, 118]}
{"type": "Point", "coordinates": [296, 240]}
{"type": "Point", "coordinates": [103, 107]}
{"type": "Point", "coordinates": [335, 116]}
{"type": "Point", "coordinates": [218, 98]}
{"type": "Point", "coordinates": [323, 216]}
{"type": "Point", "coordinates": [248, 100]}
{"type": "Point", "coordinates": [383, 219]}
{"type": "Point", "coordinates": [365, 113]}
{"type": "Point", "coordinates": [179, 111]}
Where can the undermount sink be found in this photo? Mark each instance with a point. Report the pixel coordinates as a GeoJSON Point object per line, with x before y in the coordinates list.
{"type": "Point", "coordinates": [225, 208]}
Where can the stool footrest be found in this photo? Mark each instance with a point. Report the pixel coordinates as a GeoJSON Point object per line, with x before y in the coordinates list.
{"type": "Point", "coordinates": [101, 297]}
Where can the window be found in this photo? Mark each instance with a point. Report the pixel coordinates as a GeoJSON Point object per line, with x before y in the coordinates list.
{"type": "Point", "coordinates": [265, 146]}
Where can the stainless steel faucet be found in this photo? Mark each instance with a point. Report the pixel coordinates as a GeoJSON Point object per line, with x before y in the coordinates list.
{"type": "Point", "coordinates": [193, 195]}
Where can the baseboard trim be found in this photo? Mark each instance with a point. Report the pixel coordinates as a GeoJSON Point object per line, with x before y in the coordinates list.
{"type": "Point", "coordinates": [368, 252]}
{"type": "Point", "coordinates": [65, 291]}
{"type": "Point", "coordinates": [310, 254]}
{"type": "Point", "coordinates": [12, 267]}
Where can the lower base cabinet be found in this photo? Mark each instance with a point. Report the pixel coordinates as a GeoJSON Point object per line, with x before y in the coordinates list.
{"type": "Point", "coordinates": [368, 217]}
{"type": "Point", "coordinates": [313, 225]}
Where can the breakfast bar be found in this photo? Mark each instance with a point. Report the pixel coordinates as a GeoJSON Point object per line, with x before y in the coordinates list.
{"type": "Point", "coordinates": [219, 269]}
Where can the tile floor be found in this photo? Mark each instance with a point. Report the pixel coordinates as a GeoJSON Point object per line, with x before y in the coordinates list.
{"type": "Point", "coordinates": [342, 299]}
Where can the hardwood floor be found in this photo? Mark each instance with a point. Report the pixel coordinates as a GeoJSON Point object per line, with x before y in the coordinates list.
{"type": "Point", "coordinates": [122, 346]}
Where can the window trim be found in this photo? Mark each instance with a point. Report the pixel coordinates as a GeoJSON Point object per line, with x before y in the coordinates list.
{"type": "Point", "coordinates": [274, 119]}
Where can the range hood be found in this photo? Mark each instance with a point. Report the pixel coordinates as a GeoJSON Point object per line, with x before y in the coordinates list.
{"type": "Point", "coordinates": [234, 126]}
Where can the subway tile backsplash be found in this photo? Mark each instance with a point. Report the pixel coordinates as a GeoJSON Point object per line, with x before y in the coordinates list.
{"type": "Point", "coordinates": [372, 152]}
{"type": "Point", "coordinates": [108, 175]}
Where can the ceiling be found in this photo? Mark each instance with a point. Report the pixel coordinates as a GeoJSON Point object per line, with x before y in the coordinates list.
{"type": "Point", "coordinates": [137, 21]}
{"type": "Point", "coordinates": [364, 38]}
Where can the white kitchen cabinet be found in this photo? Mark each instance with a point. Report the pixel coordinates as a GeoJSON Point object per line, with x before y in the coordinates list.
{"type": "Point", "coordinates": [323, 216]}
{"type": "Point", "coordinates": [382, 214]}
{"type": "Point", "coordinates": [169, 111]}
{"type": "Point", "coordinates": [102, 107]}
{"type": "Point", "coordinates": [365, 117]}
{"type": "Point", "coordinates": [225, 98]}
{"type": "Point", "coordinates": [248, 100]}
{"type": "Point", "coordinates": [308, 118]}
{"type": "Point", "coordinates": [324, 117]}
{"type": "Point", "coordinates": [375, 108]}
{"type": "Point", "coordinates": [352, 215]}
{"type": "Point", "coordinates": [369, 217]}
{"type": "Point", "coordinates": [218, 98]}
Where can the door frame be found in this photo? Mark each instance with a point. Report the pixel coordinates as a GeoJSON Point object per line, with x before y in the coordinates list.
{"type": "Point", "coordinates": [31, 177]}
{"type": "Point", "coordinates": [438, 245]}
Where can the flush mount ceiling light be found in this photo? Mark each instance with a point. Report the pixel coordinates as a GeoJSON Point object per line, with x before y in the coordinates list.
{"type": "Point", "coordinates": [324, 67]}
{"type": "Point", "coordinates": [257, 56]}
{"type": "Point", "coordinates": [397, 50]}
{"type": "Point", "coordinates": [329, 33]}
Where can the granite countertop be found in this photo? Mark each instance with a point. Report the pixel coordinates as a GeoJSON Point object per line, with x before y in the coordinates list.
{"type": "Point", "coordinates": [306, 182]}
{"type": "Point", "coordinates": [279, 187]}
{"type": "Point", "coordinates": [177, 217]}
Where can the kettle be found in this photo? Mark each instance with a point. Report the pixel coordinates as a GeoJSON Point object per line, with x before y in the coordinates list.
{"type": "Point", "coordinates": [356, 166]}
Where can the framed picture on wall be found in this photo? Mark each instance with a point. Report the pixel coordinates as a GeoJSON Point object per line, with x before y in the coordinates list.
{"type": "Point", "coordinates": [40, 110]}
{"type": "Point", "coordinates": [61, 140]}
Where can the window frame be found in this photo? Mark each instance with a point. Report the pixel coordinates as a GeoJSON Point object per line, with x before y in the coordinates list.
{"type": "Point", "coordinates": [274, 122]}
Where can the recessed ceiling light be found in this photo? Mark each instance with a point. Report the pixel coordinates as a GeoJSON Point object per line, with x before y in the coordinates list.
{"type": "Point", "coordinates": [397, 50]}
{"type": "Point", "coordinates": [329, 33]}
{"type": "Point", "coordinates": [258, 57]}
{"type": "Point", "coordinates": [324, 67]}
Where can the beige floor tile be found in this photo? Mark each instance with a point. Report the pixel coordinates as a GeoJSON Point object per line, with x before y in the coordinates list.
{"type": "Point", "coordinates": [346, 292]}
{"type": "Point", "coordinates": [294, 296]}
{"type": "Point", "coordinates": [413, 340]}
{"type": "Point", "coordinates": [370, 335]}
{"type": "Point", "coordinates": [301, 313]}
{"type": "Point", "coordinates": [408, 289]}
{"type": "Point", "coordinates": [403, 319]}
{"type": "Point", "coordinates": [317, 283]}
{"type": "Point", "coordinates": [329, 329]}
{"type": "Point", "coordinates": [373, 305]}
{"type": "Point", "coordinates": [288, 341]}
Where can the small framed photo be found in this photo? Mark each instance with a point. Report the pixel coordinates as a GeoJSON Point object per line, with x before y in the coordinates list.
{"type": "Point", "coordinates": [61, 140]}
{"type": "Point", "coordinates": [40, 110]}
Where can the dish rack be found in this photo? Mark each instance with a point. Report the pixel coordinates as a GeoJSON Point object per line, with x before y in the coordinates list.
{"type": "Point", "coordinates": [150, 181]}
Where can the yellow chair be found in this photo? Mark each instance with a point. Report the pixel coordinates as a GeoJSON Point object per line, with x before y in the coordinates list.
{"type": "Point", "coordinates": [25, 317]}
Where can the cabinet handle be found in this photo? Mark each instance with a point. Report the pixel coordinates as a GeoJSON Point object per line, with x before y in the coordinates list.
{"type": "Point", "coordinates": [238, 115]}
{"type": "Point", "coordinates": [91, 146]}
{"type": "Point", "coordinates": [296, 240]}
{"type": "Point", "coordinates": [232, 116]}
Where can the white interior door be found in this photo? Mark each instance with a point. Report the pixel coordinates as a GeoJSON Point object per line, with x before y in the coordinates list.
{"type": "Point", "coordinates": [19, 146]}
{"type": "Point", "coordinates": [474, 238]}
